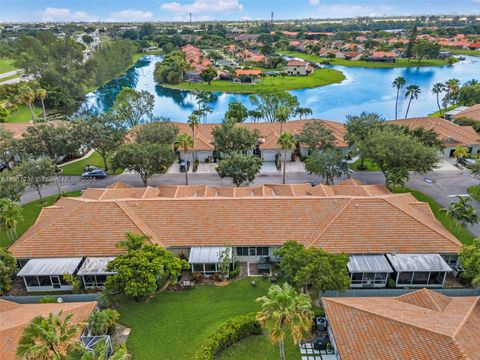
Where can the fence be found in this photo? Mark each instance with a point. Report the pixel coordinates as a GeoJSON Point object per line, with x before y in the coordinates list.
{"type": "Point", "coordinates": [396, 292]}
{"type": "Point", "coordinates": [65, 298]}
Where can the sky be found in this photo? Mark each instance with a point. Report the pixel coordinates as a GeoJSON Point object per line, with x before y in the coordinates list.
{"type": "Point", "coordinates": [202, 10]}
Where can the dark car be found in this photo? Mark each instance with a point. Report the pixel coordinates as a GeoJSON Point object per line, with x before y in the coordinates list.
{"type": "Point", "coordinates": [184, 165]}
{"type": "Point", "coordinates": [95, 174]}
{"type": "Point", "coordinates": [466, 162]}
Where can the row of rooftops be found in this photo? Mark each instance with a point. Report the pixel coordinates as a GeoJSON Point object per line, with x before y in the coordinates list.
{"type": "Point", "coordinates": [350, 218]}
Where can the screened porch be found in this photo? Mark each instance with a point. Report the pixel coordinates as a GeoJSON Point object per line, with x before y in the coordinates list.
{"type": "Point", "coordinates": [368, 271]}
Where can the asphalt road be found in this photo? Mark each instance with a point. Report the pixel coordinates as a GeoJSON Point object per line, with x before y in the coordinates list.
{"type": "Point", "coordinates": [442, 186]}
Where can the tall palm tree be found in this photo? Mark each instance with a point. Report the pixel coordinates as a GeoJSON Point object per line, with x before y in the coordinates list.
{"type": "Point", "coordinates": [287, 142]}
{"type": "Point", "coordinates": [285, 312]}
{"type": "Point", "coordinates": [27, 96]}
{"type": "Point", "coordinates": [437, 89]}
{"type": "Point", "coordinates": [10, 215]}
{"type": "Point", "coordinates": [462, 211]}
{"type": "Point", "coordinates": [47, 338]}
{"type": "Point", "coordinates": [193, 122]}
{"type": "Point", "coordinates": [206, 109]}
{"type": "Point", "coordinates": [398, 83]}
{"type": "Point", "coordinates": [185, 142]}
{"type": "Point", "coordinates": [452, 87]}
{"type": "Point", "coordinates": [42, 94]}
{"type": "Point", "coordinates": [281, 115]}
{"type": "Point", "coordinates": [460, 152]}
{"type": "Point", "coordinates": [412, 93]}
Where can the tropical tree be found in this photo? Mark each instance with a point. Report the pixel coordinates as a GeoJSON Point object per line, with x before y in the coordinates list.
{"type": "Point", "coordinates": [42, 94]}
{"type": "Point", "coordinates": [437, 89]}
{"type": "Point", "coordinates": [241, 168]}
{"type": "Point", "coordinates": [284, 312]}
{"type": "Point", "coordinates": [185, 142]}
{"type": "Point", "coordinates": [8, 268]}
{"type": "Point", "coordinates": [462, 211]}
{"type": "Point", "coordinates": [470, 260]}
{"type": "Point", "coordinates": [101, 351]}
{"type": "Point", "coordinates": [3, 114]}
{"type": "Point", "coordinates": [328, 164]}
{"type": "Point", "coordinates": [132, 107]}
{"type": "Point", "coordinates": [13, 185]}
{"type": "Point", "coordinates": [103, 321]}
{"type": "Point", "coordinates": [236, 112]}
{"type": "Point", "coordinates": [27, 96]}
{"type": "Point", "coordinates": [303, 111]}
{"type": "Point", "coordinates": [37, 173]}
{"type": "Point", "coordinates": [316, 136]}
{"type": "Point", "coordinates": [287, 142]}
{"type": "Point", "coordinates": [208, 74]}
{"type": "Point", "coordinates": [398, 83]}
{"type": "Point", "coordinates": [10, 215]}
{"type": "Point", "coordinates": [230, 137]}
{"type": "Point", "coordinates": [133, 241]}
{"type": "Point", "coordinates": [48, 338]}
{"type": "Point", "coordinates": [460, 152]}
{"type": "Point", "coordinates": [157, 132]}
{"type": "Point", "coordinates": [411, 93]}
{"type": "Point", "coordinates": [193, 122]}
{"type": "Point", "coordinates": [267, 103]}
{"type": "Point", "coordinates": [281, 115]}
{"type": "Point", "coordinates": [452, 88]}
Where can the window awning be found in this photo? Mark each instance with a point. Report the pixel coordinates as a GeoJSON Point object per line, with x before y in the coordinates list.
{"type": "Point", "coordinates": [95, 266]}
{"type": "Point", "coordinates": [53, 266]}
{"type": "Point", "coordinates": [418, 262]}
{"type": "Point", "coordinates": [369, 264]}
{"type": "Point", "coordinates": [206, 254]}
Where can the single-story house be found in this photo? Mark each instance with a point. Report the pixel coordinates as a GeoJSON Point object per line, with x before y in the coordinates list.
{"type": "Point", "coordinates": [15, 317]}
{"type": "Point", "coordinates": [80, 235]}
{"type": "Point", "coordinates": [474, 46]}
{"type": "Point", "coordinates": [267, 147]}
{"type": "Point", "coordinates": [383, 56]}
{"type": "Point", "coordinates": [423, 324]}
{"type": "Point", "coordinates": [451, 134]}
{"type": "Point", "coordinates": [298, 67]}
{"type": "Point", "coordinates": [248, 76]}
{"type": "Point", "coordinates": [470, 112]}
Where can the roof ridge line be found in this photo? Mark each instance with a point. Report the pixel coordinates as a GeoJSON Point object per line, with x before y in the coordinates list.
{"type": "Point", "coordinates": [422, 221]}
{"type": "Point", "coordinates": [137, 220]}
{"type": "Point", "coordinates": [330, 223]}
{"type": "Point", "coordinates": [477, 300]}
{"type": "Point", "coordinates": [398, 320]}
{"type": "Point", "coordinates": [439, 309]}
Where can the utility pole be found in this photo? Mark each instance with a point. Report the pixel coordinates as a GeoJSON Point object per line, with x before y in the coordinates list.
{"type": "Point", "coordinates": [271, 18]}
{"type": "Point", "coordinates": [190, 17]}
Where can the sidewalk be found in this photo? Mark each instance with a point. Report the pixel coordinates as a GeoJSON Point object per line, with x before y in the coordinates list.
{"type": "Point", "coordinates": [267, 168]}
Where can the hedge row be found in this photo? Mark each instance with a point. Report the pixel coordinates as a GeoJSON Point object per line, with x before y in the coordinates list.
{"type": "Point", "coordinates": [228, 333]}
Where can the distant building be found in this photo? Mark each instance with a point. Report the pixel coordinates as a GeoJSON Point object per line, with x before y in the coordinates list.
{"type": "Point", "coordinates": [383, 56]}
{"type": "Point", "coordinates": [298, 67]}
{"type": "Point", "coordinates": [471, 112]}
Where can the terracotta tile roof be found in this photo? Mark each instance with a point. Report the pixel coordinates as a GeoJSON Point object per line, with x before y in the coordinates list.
{"type": "Point", "coordinates": [451, 134]}
{"type": "Point", "coordinates": [19, 128]}
{"type": "Point", "coordinates": [259, 215]}
{"type": "Point", "coordinates": [422, 325]}
{"type": "Point", "coordinates": [269, 132]}
{"type": "Point", "coordinates": [240, 72]}
{"type": "Point", "coordinates": [473, 112]}
{"type": "Point", "coordinates": [297, 63]}
{"type": "Point", "coordinates": [384, 54]}
{"type": "Point", "coordinates": [15, 317]}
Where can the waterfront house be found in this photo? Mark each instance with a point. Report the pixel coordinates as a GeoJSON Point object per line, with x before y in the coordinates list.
{"type": "Point", "coordinates": [383, 56]}
{"type": "Point", "coordinates": [298, 67]}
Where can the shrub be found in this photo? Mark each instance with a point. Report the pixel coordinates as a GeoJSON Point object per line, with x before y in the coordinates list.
{"type": "Point", "coordinates": [228, 333]}
{"type": "Point", "coordinates": [391, 283]}
{"type": "Point", "coordinates": [236, 271]}
{"type": "Point", "coordinates": [198, 277]}
{"type": "Point", "coordinates": [195, 165]}
{"type": "Point", "coordinates": [47, 300]}
{"type": "Point", "coordinates": [103, 321]}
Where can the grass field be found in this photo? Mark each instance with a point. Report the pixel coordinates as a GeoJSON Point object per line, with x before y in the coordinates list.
{"type": "Point", "coordinates": [462, 234]}
{"type": "Point", "coordinates": [6, 65]}
{"type": "Point", "coordinates": [30, 214]}
{"type": "Point", "coordinates": [76, 168]}
{"type": "Point", "coordinates": [438, 114]}
{"type": "Point", "coordinates": [371, 166]}
{"type": "Point", "coordinates": [360, 63]}
{"type": "Point", "coordinates": [318, 78]}
{"type": "Point", "coordinates": [474, 192]}
{"type": "Point", "coordinates": [463, 52]}
{"type": "Point", "coordinates": [258, 348]}
{"type": "Point", "coordinates": [22, 114]}
{"type": "Point", "coordinates": [173, 324]}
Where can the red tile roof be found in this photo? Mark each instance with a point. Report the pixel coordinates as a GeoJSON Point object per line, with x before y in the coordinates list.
{"type": "Point", "coordinates": [423, 325]}
{"type": "Point", "coordinates": [15, 317]}
{"type": "Point", "coordinates": [323, 216]}
{"type": "Point", "coordinates": [473, 112]}
{"type": "Point", "coordinates": [297, 63]}
{"type": "Point", "coordinates": [240, 72]}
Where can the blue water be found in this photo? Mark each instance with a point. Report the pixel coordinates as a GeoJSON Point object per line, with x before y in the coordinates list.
{"type": "Point", "coordinates": [365, 89]}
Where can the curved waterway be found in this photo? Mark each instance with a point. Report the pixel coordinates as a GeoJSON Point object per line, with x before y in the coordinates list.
{"type": "Point", "coordinates": [365, 89]}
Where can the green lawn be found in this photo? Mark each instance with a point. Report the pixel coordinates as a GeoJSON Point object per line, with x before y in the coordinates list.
{"type": "Point", "coordinates": [437, 113]}
{"type": "Point", "coordinates": [318, 78]}
{"type": "Point", "coordinates": [76, 168]}
{"type": "Point", "coordinates": [22, 114]}
{"type": "Point", "coordinates": [6, 65]}
{"type": "Point", "coordinates": [30, 214]}
{"type": "Point", "coordinates": [361, 63]}
{"type": "Point", "coordinates": [371, 166]}
{"type": "Point", "coordinates": [462, 234]}
{"type": "Point", "coordinates": [258, 348]}
{"type": "Point", "coordinates": [173, 324]}
{"type": "Point", "coordinates": [474, 192]}
{"type": "Point", "coordinates": [463, 52]}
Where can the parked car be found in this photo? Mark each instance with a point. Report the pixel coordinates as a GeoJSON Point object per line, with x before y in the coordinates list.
{"type": "Point", "coordinates": [184, 165]}
{"type": "Point", "coordinates": [95, 174]}
{"type": "Point", "coordinates": [466, 162]}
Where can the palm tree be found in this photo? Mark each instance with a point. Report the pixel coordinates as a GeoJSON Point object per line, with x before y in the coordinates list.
{"type": "Point", "coordinates": [412, 93]}
{"type": "Point", "coordinates": [437, 89]}
{"type": "Point", "coordinates": [133, 241]}
{"type": "Point", "coordinates": [282, 115]}
{"type": "Point", "coordinates": [48, 338]}
{"type": "Point", "coordinates": [10, 215]}
{"type": "Point", "coordinates": [462, 211]}
{"type": "Point", "coordinates": [287, 142]}
{"type": "Point", "coordinates": [205, 110]}
{"type": "Point", "coordinates": [460, 152]}
{"type": "Point", "coordinates": [103, 322]}
{"type": "Point", "coordinates": [193, 122]}
{"type": "Point", "coordinates": [398, 83]}
{"type": "Point", "coordinates": [303, 111]}
{"type": "Point", "coordinates": [452, 87]}
{"type": "Point", "coordinates": [185, 142]}
{"type": "Point", "coordinates": [26, 96]}
{"type": "Point", "coordinates": [100, 352]}
{"type": "Point", "coordinates": [42, 94]}
{"type": "Point", "coordinates": [285, 312]}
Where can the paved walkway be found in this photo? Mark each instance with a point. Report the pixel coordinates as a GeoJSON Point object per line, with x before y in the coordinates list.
{"type": "Point", "coordinates": [267, 168]}
{"type": "Point", "coordinates": [9, 73]}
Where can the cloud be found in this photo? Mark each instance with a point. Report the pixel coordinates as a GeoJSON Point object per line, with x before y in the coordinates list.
{"type": "Point", "coordinates": [208, 6]}
{"type": "Point", "coordinates": [348, 11]}
{"type": "Point", "coordinates": [314, 2]}
{"type": "Point", "coordinates": [130, 15]}
{"type": "Point", "coordinates": [59, 14]}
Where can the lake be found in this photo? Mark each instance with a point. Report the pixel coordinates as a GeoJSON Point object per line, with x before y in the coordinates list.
{"type": "Point", "coordinates": [365, 89]}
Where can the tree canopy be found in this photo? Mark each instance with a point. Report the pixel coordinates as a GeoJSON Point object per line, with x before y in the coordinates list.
{"type": "Point", "coordinates": [329, 164]}
{"type": "Point", "coordinates": [315, 135]}
{"type": "Point", "coordinates": [157, 132]}
{"type": "Point", "coordinates": [470, 260]}
{"type": "Point", "coordinates": [229, 137]}
{"type": "Point", "coordinates": [268, 103]}
{"type": "Point", "coordinates": [241, 168]}
{"type": "Point", "coordinates": [133, 107]}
